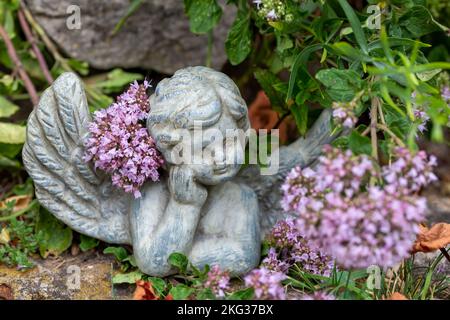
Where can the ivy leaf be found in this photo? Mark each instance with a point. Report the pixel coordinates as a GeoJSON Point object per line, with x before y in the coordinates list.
{"type": "Point", "coordinates": [203, 14]}
{"type": "Point", "coordinates": [268, 81]}
{"type": "Point", "coordinates": [239, 40]}
{"type": "Point", "coordinates": [87, 243]}
{"type": "Point", "coordinates": [53, 236]}
{"type": "Point", "coordinates": [359, 144]}
{"type": "Point", "coordinates": [342, 85]}
{"type": "Point", "coordinates": [178, 260]}
{"type": "Point", "coordinates": [181, 292]}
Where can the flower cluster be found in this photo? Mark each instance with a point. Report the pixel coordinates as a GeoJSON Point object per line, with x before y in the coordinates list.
{"type": "Point", "coordinates": [218, 281]}
{"type": "Point", "coordinates": [318, 295]}
{"type": "Point", "coordinates": [266, 283]}
{"type": "Point", "coordinates": [343, 114]}
{"type": "Point", "coordinates": [288, 247]}
{"type": "Point", "coordinates": [358, 223]}
{"type": "Point", "coordinates": [420, 114]}
{"type": "Point", "coordinates": [273, 10]}
{"type": "Point", "coordinates": [409, 172]}
{"type": "Point", "coordinates": [120, 144]}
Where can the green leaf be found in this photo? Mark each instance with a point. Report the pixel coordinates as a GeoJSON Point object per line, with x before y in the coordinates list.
{"type": "Point", "coordinates": [300, 114]}
{"type": "Point", "coordinates": [12, 133]}
{"type": "Point", "coordinates": [134, 5]}
{"type": "Point", "coordinates": [359, 144]}
{"type": "Point", "coordinates": [88, 243]}
{"type": "Point", "coordinates": [342, 85]}
{"type": "Point", "coordinates": [178, 260]}
{"type": "Point", "coordinates": [205, 294]}
{"type": "Point", "coordinates": [239, 40]}
{"type": "Point", "coordinates": [158, 284]}
{"type": "Point", "coordinates": [7, 108]}
{"type": "Point", "coordinates": [8, 163]}
{"type": "Point", "coordinates": [119, 252]}
{"type": "Point", "coordinates": [130, 277]}
{"type": "Point", "coordinates": [203, 14]}
{"type": "Point", "coordinates": [116, 80]}
{"type": "Point", "coordinates": [245, 294]}
{"type": "Point", "coordinates": [181, 292]}
{"type": "Point", "coordinates": [355, 24]}
{"type": "Point", "coordinates": [54, 236]}
{"type": "Point", "coordinates": [300, 61]}
{"type": "Point", "coordinates": [268, 81]}
{"type": "Point", "coordinates": [419, 22]}
{"type": "Point", "coordinates": [10, 150]}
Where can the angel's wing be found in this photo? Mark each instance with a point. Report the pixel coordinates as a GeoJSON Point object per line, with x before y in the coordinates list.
{"type": "Point", "coordinates": [302, 152]}
{"type": "Point", "coordinates": [66, 185]}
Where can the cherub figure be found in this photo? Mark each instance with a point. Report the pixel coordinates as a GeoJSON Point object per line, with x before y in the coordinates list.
{"type": "Point", "coordinates": [210, 210]}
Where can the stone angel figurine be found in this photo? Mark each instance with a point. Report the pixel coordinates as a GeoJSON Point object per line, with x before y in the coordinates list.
{"type": "Point", "coordinates": [214, 213]}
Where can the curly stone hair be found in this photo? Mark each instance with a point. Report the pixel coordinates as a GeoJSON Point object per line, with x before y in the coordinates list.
{"type": "Point", "coordinates": [197, 94]}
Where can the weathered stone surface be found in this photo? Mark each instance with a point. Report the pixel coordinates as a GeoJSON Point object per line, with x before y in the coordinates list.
{"type": "Point", "coordinates": [155, 37]}
{"type": "Point", "coordinates": [49, 279]}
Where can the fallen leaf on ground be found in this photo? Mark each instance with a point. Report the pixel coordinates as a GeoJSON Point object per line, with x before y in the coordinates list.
{"type": "Point", "coordinates": [4, 236]}
{"type": "Point", "coordinates": [6, 292]}
{"type": "Point", "coordinates": [21, 202]}
{"type": "Point", "coordinates": [144, 291]}
{"type": "Point", "coordinates": [431, 239]}
{"type": "Point", "coordinates": [397, 296]}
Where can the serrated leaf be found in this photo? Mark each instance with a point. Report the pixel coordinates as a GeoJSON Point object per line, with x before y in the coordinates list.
{"type": "Point", "coordinates": [342, 85]}
{"type": "Point", "coordinates": [267, 80]}
{"type": "Point", "coordinates": [203, 14]}
{"type": "Point", "coordinates": [300, 114]}
{"type": "Point", "coordinates": [239, 40]}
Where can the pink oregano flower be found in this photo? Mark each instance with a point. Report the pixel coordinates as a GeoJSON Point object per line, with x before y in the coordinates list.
{"type": "Point", "coordinates": [119, 142]}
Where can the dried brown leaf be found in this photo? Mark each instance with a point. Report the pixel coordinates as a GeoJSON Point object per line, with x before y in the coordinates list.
{"type": "Point", "coordinates": [432, 239]}
{"type": "Point", "coordinates": [21, 202]}
{"type": "Point", "coordinates": [397, 296]}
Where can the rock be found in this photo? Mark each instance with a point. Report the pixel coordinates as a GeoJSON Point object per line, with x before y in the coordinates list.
{"type": "Point", "coordinates": [55, 278]}
{"type": "Point", "coordinates": [155, 37]}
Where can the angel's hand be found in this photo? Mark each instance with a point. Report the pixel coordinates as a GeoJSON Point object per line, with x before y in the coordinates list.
{"type": "Point", "coordinates": [184, 188]}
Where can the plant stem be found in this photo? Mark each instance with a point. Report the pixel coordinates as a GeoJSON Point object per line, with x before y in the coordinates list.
{"type": "Point", "coordinates": [210, 46]}
{"type": "Point", "coordinates": [29, 86]}
{"type": "Point", "coordinates": [34, 47]}
{"type": "Point", "coordinates": [19, 212]}
{"type": "Point", "coordinates": [48, 43]}
{"type": "Point", "coordinates": [445, 253]}
{"type": "Point", "coordinates": [392, 134]}
{"type": "Point", "coordinates": [373, 126]}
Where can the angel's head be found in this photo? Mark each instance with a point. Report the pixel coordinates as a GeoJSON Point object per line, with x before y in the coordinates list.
{"type": "Point", "coordinates": [200, 97]}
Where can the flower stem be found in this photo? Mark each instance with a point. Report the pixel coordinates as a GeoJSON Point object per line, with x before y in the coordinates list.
{"type": "Point", "coordinates": [373, 126]}
{"type": "Point", "coordinates": [12, 53]}
{"type": "Point", "coordinates": [392, 134]}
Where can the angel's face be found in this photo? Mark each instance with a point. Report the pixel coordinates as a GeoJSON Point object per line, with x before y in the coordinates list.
{"type": "Point", "coordinates": [215, 153]}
